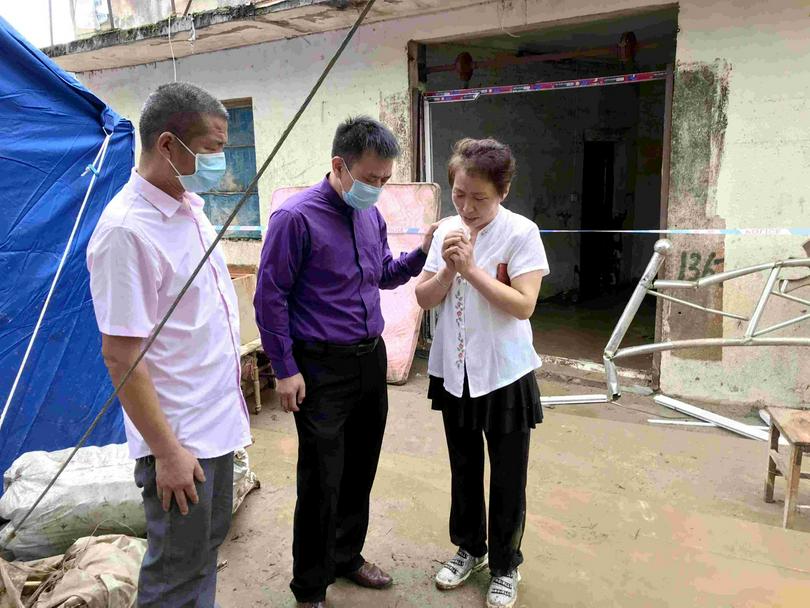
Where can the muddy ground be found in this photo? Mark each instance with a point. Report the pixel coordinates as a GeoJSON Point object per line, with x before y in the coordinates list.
{"type": "Point", "coordinates": [622, 513]}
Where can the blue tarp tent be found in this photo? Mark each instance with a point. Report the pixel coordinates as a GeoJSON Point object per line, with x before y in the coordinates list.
{"type": "Point", "coordinates": [51, 129]}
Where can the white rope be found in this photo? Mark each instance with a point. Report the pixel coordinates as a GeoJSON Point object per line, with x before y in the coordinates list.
{"type": "Point", "coordinates": [171, 48]}
{"type": "Point", "coordinates": [501, 8]}
{"type": "Point", "coordinates": [95, 169]}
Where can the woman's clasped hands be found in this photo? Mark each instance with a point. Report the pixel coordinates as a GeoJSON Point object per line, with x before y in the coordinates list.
{"type": "Point", "coordinates": [457, 252]}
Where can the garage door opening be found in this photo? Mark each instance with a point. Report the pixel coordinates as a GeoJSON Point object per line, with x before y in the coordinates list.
{"type": "Point", "coordinates": [584, 108]}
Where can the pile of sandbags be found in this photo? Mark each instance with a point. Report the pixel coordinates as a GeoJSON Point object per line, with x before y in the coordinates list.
{"type": "Point", "coordinates": [95, 572]}
{"type": "Point", "coordinates": [96, 494]}
{"type": "Point", "coordinates": [244, 480]}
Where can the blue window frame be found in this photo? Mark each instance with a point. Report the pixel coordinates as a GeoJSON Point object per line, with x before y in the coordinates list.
{"type": "Point", "coordinates": [240, 154]}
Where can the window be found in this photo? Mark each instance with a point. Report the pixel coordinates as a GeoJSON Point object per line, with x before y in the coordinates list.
{"type": "Point", "coordinates": [240, 154]}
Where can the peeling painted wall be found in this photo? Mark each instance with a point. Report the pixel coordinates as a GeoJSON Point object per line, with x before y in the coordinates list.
{"type": "Point", "coordinates": [395, 113]}
{"type": "Point", "coordinates": [741, 148]}
{"type": "Point", "coordinates": [699, 119]}
{"type": "Point", "coordinates": [754, 172]}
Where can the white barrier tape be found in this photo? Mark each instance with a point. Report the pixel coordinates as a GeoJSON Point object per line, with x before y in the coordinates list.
{"type": "Point", "coordinates": [693, 231]}
{"type": "Point", "coordinates": [457, 95]}
{"type": "Point", "coordinates": [241, 228]}
{"type": "Point", "coordinates": [696, 231]}
{"type": "Point", "coordinates": [415, 231]}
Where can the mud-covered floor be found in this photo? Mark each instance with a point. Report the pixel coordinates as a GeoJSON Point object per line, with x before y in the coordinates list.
{"type": "Point", "coordinates": [581, 331]}
{"type": "Point", "coordinates": [621, 513]}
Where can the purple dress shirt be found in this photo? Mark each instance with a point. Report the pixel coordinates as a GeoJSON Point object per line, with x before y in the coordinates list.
{"type": "Point", "coordinates": [322, 266]}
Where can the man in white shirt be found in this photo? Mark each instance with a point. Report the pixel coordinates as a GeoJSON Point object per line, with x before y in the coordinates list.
{"type": "Point", "coordinates": [184, 411]}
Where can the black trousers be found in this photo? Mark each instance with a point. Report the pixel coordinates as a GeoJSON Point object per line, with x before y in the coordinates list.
{"type": "Point", "coordinates": [509, 461]}
{"type": "Point", "coordinates": [340, 431]}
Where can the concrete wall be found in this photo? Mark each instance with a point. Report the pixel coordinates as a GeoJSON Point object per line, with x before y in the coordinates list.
{"type": "Point", "coordinates": [740, 158]}
{"type": "Point", "coordinates": [741, 100]}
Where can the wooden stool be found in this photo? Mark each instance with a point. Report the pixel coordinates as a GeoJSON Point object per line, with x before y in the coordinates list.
{"type": "Point", "coordinates": [794, 426]}
{"type": "Point", "coordinates": [251, 371]}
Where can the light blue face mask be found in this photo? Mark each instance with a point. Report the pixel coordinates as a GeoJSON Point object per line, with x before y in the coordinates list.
{"type": "Point", "coordinates": [209, 169]}
{"type": "Point", "coordinates": [360, 195]}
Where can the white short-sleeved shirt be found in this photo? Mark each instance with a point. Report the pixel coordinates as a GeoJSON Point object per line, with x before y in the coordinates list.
{"type": "Point", "coordinates": [495, 348]}
{"type": "Point", "coordinates": [142, 252]}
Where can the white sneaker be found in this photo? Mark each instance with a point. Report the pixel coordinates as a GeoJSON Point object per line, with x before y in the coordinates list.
{"type": "Point", "coordinates": [503, 590]}
{"type": "Point", "coordinates": [459, 569]}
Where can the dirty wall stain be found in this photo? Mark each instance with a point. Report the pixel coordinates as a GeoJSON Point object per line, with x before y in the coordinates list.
{"type": "Point", "coordinates": [699, 120]}
{"type": "Point", "coordinates": [395, 114]}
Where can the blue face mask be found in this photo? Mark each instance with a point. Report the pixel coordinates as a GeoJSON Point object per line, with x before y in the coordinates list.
{"type": "Point", "coordinates": [209, 169]}
{"type": "Point", "coordinates": [360, 196]}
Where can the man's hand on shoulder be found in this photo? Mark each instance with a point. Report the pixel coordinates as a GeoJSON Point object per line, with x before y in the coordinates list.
{"type": "Point", "coordinates": [428, 240]}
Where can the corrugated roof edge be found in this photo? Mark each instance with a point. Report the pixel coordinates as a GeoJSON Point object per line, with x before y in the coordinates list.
{"type": "Point", "coordinates": [179, 24]}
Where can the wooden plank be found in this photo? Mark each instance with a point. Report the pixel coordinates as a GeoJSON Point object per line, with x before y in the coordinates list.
{"type": "Point", "coordinates": [251, 347]}
{"type": "Point", "coordinates": [782, 464]}
{"type": "Point", "coordinates": [727, 423]}
{"type": "Point", "coordinates": [793, 424]}
{"type": "Point", "coordinates": [245, 287]}
{"type": "Point", "coordinates": [778, 461]}
{"type": "Point", "coordinates": [240, 269]}
{"type": "Point", "coordinates": [773, 464]}
{"type": "Point", "coordinates": [792, 476]}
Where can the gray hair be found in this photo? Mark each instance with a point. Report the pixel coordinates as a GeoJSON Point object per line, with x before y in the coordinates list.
{"type": "Point", "coordinates": [361, 134]}
{"type": "Point", "coordinates": [177, 108]}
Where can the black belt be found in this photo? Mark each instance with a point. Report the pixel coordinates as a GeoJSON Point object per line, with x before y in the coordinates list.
{"type": "Point", "coordinates": [344, 350]}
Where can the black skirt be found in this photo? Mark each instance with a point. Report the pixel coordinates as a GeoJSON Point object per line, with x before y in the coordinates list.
{"type": "Point", "coordinates": [515, 407]}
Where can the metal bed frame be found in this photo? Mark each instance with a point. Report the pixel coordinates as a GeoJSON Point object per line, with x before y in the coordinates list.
{"type": "Point", "coordinates": [775, 286]}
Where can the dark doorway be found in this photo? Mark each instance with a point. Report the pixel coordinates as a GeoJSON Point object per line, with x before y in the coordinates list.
{"type": "Point", "coordinates": [599, 267]}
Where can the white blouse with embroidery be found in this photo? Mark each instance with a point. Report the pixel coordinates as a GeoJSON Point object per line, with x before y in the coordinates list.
{"type": "Point", "coordinates": [494, 348]}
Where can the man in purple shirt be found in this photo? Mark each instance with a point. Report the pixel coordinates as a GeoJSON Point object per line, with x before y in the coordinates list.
{"type": "Point", "coordinates": [324, 260]}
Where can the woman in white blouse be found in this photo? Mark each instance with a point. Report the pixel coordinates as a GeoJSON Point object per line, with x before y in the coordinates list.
{"type": "Point", "coordinates": [484, 272]}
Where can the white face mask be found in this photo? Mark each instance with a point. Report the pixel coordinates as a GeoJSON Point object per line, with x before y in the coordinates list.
{"type": "Point", "coordinates": [360, 195]}
{"type": "Point", "coordinates": [209, 170]}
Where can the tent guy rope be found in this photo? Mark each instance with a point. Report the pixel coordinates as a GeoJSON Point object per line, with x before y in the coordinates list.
{"type": "Point", "coordinates": [94, 168]}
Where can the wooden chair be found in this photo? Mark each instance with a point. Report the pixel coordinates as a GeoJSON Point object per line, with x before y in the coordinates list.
{"type": "Point", "coordinates": [794, 426]}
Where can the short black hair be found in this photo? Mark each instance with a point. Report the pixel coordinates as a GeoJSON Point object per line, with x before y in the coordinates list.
{"type": "Point", "coordinates": [362, 134]}
{"type": "Point", "coordinates": [176, 107]}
